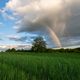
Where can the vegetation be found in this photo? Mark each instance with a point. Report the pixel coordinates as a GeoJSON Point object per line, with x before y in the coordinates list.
{"type": "Point", "coordinates": [11, 50]}
{"type": "Point", "coordinates": [40, 63]}
{"type": "Point", "coordinates": [46, 66]}
{"type": "Point", "coordinates": [76, 50]}
{"type": "Point", "coordinates": [39, 45]}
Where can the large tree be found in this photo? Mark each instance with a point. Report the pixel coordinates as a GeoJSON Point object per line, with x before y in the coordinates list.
{"type": "Point", "coordinates": [39, 44]}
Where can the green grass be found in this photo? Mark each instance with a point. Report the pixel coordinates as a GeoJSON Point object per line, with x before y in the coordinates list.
{"type": "Point", "coordinates": [44, 66]}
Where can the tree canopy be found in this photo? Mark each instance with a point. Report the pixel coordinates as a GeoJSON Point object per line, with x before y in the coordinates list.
{"type": "Point", "coordinates": [39, 44]}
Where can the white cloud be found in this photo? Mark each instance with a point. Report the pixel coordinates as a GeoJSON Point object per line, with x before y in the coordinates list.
{"type": "Point", "coordinates": [8, 17]}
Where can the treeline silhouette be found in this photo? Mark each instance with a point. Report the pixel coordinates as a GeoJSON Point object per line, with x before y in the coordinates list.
{"type": "Point", "coordinates": [50, 50]}
{"type": "Point", "coordinates": [40, 45]}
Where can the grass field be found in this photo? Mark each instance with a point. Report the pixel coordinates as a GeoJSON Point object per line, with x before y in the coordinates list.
{"type": "Point", "coordinates": [45, 66]}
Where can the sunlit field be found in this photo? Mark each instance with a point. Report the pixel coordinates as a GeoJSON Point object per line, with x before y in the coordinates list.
{"type": "Point", "coordinates": [39, 66]}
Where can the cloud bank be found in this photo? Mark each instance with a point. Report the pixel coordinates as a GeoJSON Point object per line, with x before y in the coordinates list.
{"type": "Point", "coordinates": [55, 18]}
{"type": "Point", "coordinates": [5, 47]}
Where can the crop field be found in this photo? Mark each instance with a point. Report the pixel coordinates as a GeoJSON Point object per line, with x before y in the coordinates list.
{"type": "Point", "coordinates": [39, 66]}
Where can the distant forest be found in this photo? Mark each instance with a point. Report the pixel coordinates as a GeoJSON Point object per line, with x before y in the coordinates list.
{"type": "Point", "coordinates": [50, 50]}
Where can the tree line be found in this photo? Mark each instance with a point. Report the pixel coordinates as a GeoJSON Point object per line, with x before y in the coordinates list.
{"type": "Point", "coordinates": [40, 45]}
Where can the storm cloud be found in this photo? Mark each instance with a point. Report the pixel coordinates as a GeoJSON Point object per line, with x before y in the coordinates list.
{"type": "Point", "coordinates": [56, 18]}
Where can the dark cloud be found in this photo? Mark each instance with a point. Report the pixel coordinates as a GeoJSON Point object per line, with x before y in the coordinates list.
{"type": "Point", "coordinates": [39, 25]}
{"type": "Point", "coordinates": [73, 26]}
{"type": "Point", "coordinates": [23, 39]}
{"type": "Point", "coordinates": [19, 39]}
{"type": "Point", "coordinates": [70, 41]}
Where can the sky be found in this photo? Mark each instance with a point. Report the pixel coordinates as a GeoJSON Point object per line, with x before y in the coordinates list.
{"type": "Point", "coordinates": [57, 21]}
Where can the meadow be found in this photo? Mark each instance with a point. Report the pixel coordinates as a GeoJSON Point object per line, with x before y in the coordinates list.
{"type": "Point", "coordinates": [39, 66]}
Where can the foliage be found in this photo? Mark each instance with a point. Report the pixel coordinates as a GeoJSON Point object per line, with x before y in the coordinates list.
{"type": "Point", "coordinates": [11, 50]}
{"type": "Point", "coordinates": [39, 45]}
{"type": "Point", "coordinates": [49, 50]}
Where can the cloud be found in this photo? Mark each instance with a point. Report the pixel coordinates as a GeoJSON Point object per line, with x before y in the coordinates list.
{"type": "Point", "coordinates": [8, 17]}
{"type": "Point", "coordinates": [36, 13]}
{"type": "Point", "coordinates": [23, 39]}
{"type": "Point", "coordinates": [18, 38]}
{"type": "Point", "coordinates": [71, 41]}
{"type": "Point", "coordinates": [20, 46]}
{"type": "Point", "coordinates": [6, 14]}
{"type": "Point", "coordinates": [55, 18]}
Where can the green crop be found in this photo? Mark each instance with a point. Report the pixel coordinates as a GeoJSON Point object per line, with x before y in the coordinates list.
{"type": "Point", "coordinates": [44, 66]}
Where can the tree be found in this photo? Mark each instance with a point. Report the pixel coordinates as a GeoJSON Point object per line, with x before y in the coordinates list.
{"type": "Point", "coordinates": [11, 50]}
{"type": "Point", "coordinates": [39, 44]}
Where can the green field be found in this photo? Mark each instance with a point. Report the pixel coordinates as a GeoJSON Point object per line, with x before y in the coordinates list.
{"type": "Point", "coordinates": [44, 66]}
